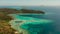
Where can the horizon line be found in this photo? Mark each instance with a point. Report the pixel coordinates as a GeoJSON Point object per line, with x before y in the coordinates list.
{"type": "Point", "coordinates": [29, 5]}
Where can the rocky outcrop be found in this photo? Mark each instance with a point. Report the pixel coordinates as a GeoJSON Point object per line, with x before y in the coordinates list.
{"type": "Point", "coordinates": [32, 11]}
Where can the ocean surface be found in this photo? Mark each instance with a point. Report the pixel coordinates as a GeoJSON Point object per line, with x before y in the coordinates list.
{"type": "Point", "coordinates": [51, 13]}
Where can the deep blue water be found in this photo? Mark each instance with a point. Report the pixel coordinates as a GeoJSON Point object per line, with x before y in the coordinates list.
{"type": "Point", "coordinates": [52, 13]}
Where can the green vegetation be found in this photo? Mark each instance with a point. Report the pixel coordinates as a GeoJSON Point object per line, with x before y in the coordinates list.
{"type": "Point", "coordinates": [4, 16]}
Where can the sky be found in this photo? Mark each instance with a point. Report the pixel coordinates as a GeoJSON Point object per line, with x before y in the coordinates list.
{"type": "Point", "coordinates": [29, 2]}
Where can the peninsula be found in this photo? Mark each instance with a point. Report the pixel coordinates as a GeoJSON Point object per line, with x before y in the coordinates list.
{"type": "Point", "coordinates": [11, 11]}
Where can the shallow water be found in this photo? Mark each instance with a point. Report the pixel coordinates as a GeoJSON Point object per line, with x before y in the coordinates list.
{"type": "Point", "coordinates": [33, 24]}
{"type": "Point", "coordinates": [52, 13]}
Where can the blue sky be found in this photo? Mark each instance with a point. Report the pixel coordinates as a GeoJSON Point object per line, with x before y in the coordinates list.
{"type": "Point", "coordinates": [29, 2]}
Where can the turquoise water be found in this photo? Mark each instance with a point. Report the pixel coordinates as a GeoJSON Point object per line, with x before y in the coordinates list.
{"type": "Point", "coordinates": [51, 13]}
{"type": "Point", "coordinates": [34, 25]}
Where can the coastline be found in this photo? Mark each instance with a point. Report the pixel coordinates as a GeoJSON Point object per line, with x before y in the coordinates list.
{"type": "Point", "coordinates": [24, 19]}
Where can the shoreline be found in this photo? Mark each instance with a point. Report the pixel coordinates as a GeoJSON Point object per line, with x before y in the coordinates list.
{"type": "Point", "coordinates": [32, 20]}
